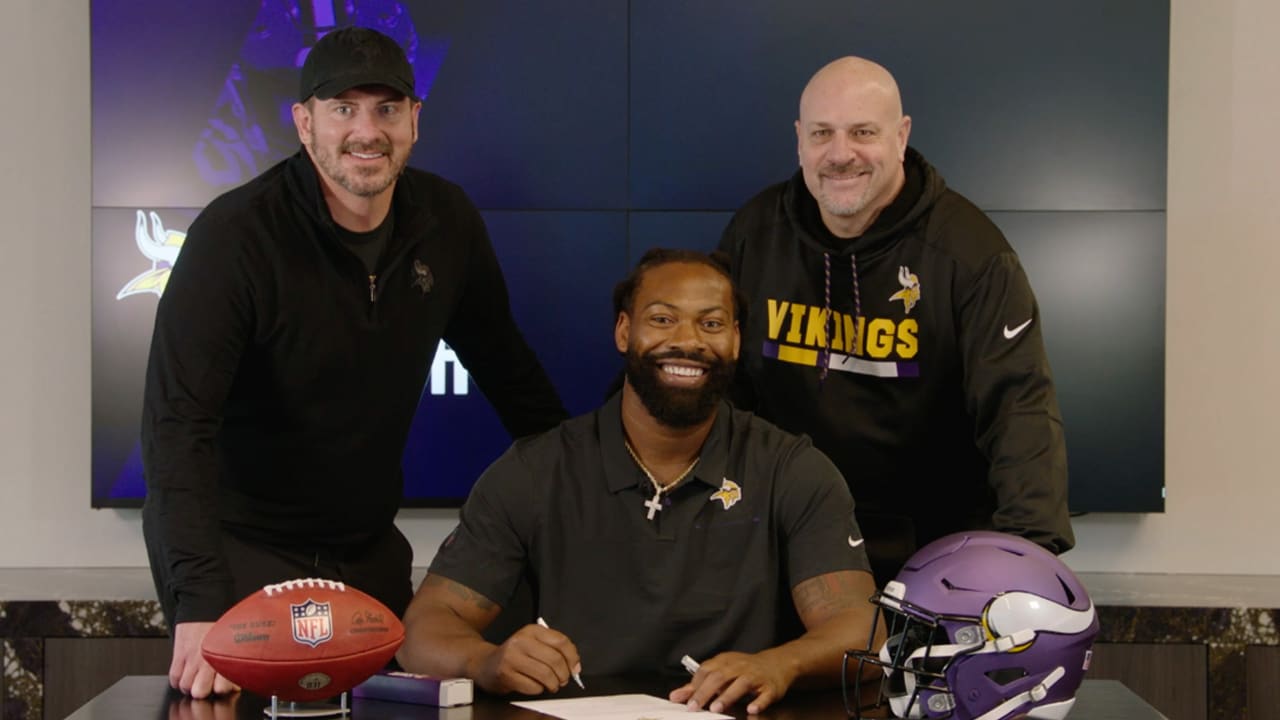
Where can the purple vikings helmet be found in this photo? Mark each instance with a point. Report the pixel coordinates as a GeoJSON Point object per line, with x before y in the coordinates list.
{"type": "Point", "coordinates": [982, 626]}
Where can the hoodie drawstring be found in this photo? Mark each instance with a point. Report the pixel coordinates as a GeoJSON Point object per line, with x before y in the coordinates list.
{"type": "Point", "coordinates": [824, 358]}
{"type": "Point", "coordinates": [857, 298]}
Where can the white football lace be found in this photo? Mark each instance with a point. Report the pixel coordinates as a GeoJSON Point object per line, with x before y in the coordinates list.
{"type": "Point", "coordinates": [304, 583]}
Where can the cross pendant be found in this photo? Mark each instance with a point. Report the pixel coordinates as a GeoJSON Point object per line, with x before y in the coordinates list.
{"type": "Point", "coordinates": [653, 504]}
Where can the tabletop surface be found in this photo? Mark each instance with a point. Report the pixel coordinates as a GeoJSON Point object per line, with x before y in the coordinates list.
{"type": "Point", "coordinates": [149, 696]}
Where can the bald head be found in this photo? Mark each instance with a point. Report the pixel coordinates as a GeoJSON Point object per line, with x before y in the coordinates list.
{"type": "Point", "coordinates": [856, 79]}
{"type": "Point", "coordinates": [852, 141]}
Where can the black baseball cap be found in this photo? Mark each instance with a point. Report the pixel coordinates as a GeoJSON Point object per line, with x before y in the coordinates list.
{"type": "Point", "coordinates": [352, 57]}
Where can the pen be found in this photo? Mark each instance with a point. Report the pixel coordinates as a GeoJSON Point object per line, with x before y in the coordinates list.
{"type": "Point", "coordinates": [689, 664]}
{"type": "Point", "coordinates": [576, 677]}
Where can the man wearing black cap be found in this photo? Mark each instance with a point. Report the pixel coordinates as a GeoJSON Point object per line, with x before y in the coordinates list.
{"type": "Point", "coordinates": [291, 346]}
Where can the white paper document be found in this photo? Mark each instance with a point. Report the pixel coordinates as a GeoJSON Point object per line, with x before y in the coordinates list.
{"type": "Point", "coordinates": [616, 707]}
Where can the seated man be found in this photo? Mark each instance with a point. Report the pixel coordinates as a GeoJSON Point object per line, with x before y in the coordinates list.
{"type": "Point", "coordinates": [665, 523]}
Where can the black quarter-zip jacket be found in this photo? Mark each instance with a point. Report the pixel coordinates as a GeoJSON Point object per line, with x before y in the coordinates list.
{"type": "Point", "coordinates": [938, 405]}
{"type": "Point", "coordinates": [283, 377]}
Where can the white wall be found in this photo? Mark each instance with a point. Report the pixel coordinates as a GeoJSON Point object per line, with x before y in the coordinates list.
{"type": "Point", "coordinates": [1222, 382]}
{"type": "Point", "coordinates": [1223, 349]}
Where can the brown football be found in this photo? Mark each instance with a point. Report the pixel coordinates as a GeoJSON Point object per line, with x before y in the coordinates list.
{"type": "Point", "coordinates": [304, 639]}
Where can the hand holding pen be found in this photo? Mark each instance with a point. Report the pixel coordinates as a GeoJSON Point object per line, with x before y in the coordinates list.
{"type": "Point", "coordinates": [730, 677]}
{"type": "Point", "coordinates": [577, 677]}
{"type": "Point", "coordinates": [533, 660]}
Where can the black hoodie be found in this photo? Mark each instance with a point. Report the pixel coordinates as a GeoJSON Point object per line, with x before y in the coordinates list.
{"type": "Point", "coordinates": [938, 406]}
{"type": "Point", "coordinates": [283, 377]}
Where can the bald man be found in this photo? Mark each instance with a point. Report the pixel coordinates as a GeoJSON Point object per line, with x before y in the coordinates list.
{"type": "Point", "coordinates": [892, 323]}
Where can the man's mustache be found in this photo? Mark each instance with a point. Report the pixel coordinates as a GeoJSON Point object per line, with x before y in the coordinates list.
{"type": "Point", "coordinates": [681, 355]}
{"type": "Point", "coordinates": [368, 148]}
{"type": "Point", "coordinates": [842, 169]}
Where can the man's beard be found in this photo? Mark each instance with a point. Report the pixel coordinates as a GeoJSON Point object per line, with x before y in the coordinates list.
{"type": "Point", "coordinates": [358, 184]}
{"type": "Point", "coordinates": [847, 207]}
{"type": "Point", "coordinates": [678, 407]}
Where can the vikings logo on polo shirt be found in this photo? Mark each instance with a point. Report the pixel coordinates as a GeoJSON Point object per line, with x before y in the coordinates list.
{"type": "Point", "coordinates": [729, 493]}
{"type": "Point", "coordinates": [312, 622]}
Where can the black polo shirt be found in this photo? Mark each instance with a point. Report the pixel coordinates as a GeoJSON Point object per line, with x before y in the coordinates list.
{"type": "Point", "coordinates": [711, 572]}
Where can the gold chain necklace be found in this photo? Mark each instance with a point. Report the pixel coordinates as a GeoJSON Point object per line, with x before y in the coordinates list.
{"type": "Point", "coordinates": [654, 503]}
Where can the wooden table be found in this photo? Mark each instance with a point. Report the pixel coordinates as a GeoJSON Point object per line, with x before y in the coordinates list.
{"type": "Point", "coordinates": [149, 696]}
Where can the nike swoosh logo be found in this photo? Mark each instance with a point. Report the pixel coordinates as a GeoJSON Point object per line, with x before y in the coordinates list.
{"type": "Point", "coordinates": [854, 543]}
{"type": "Point", "coordinates": [1010, 334]}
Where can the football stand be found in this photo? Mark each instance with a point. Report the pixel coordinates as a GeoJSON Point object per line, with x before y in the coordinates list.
{"type": "Point", "coordinates": [291, 709]}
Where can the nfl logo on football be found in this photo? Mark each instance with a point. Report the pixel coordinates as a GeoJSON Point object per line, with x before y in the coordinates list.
{"type": "Point", "coordinates": [312, 622]}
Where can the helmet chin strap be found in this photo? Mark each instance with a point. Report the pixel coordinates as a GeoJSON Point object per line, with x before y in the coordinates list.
{"type": "Point", "coordinates": [1035, 694]}
{"type": "Point", "coordinates": [911, 705]}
